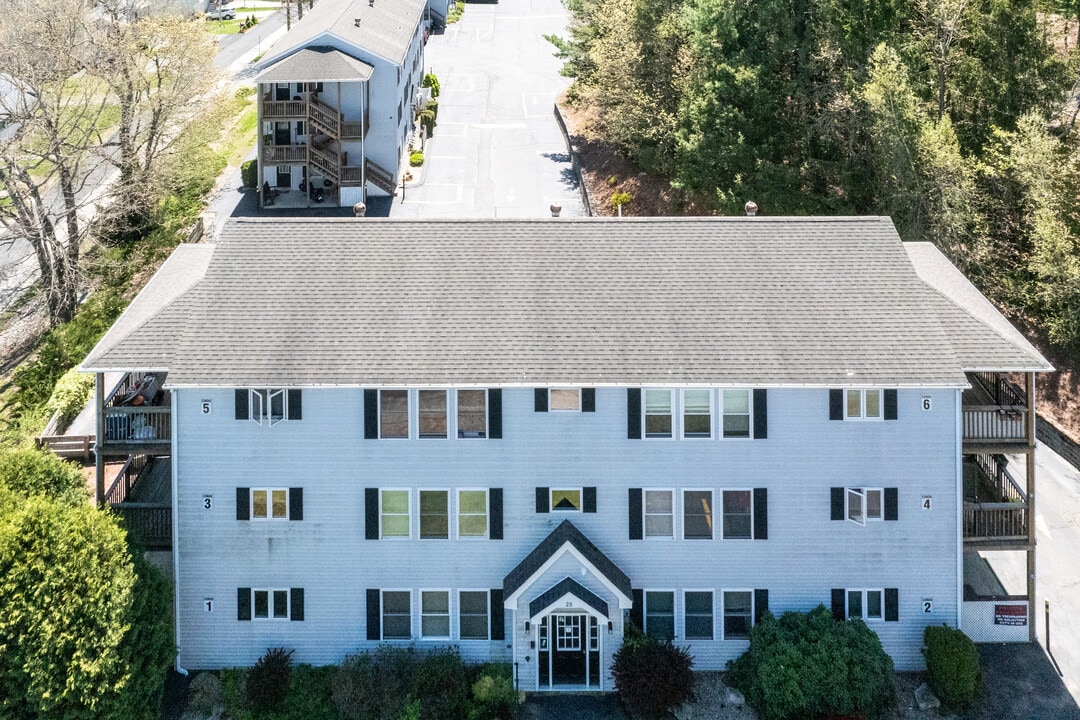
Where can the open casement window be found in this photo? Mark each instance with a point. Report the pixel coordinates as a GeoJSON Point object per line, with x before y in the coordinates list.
{"type": "Point", "coordinates": [394, 513]}
{"type": "Point", "coordinates": [472, 513]}
{"type": "Point", "coordinates": [434, 514]}
{"type": "Point", "coordinates": [393, 413]}
{"type": "Point", "coordinates": [697, 413]}
{"type": "Point", "coordinates": [433, 410]}
{"type": "Point", "coordinates": [660, 614]}
{"type": "Point", "coordinates": [268, 406]}
{"type": "Point", "coordinates": [473, 615]}
{"type": "Point", "coordinates": [435, 614]}
{"type": "Point", "coordinates": [736, 413]}
{"type": "Point", "coordinates": [658, 413]}
{"type": "Point", "coordinates": [472, 413]}
{"type": "Point", "coordinates": [864, 504]}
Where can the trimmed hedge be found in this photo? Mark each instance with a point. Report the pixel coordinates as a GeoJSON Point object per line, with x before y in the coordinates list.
{"type": "Point", "coordinates": [72, 392]}
{"type": "Point", "coordinates": [652, 677]}
{"type": "Point", "coordinates": [952, 663]}
{"type": "Point", "coordinates": [810, 665]}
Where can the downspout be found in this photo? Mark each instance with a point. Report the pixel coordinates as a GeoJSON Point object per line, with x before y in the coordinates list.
{"type": "Point", "coordinates": [363, 140]}
{"type": "Point", "coordinates": [1031, 417]}
{"type": "Point", "coordinates": [174, 461]}
{"type": "Point", "coordinates": [99, 438]}
{"type": "Point", "coordinates": [959, 507]}
{"type": "Point", "coordinates": [261, 178]}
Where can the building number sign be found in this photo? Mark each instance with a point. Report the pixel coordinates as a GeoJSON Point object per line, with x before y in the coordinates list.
{"type": "Point", "coordinates": [926, 502]}
{"type": "Point", "coordinates": [928, 605]}
{"type": "Point", "coordinates": [205, 406]}
{"type": "Point", "coordinates": [926, 404]}
{"type": "Point", "coordinates": [208, 502]}
{"type": "Point", "coordinates": [208, 603]}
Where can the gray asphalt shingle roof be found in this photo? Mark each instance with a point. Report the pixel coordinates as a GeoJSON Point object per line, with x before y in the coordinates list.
{"type": "Point", "coordinates": [637, 301]}
{"type": "Point", "coordinates": [566, 532]}
{"type": "Point", "coordinates": [385, 27]}
{"type": "Point", "coordinates": [316, 64]}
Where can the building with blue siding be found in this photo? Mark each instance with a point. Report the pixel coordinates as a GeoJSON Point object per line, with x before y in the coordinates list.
{"type": "Point", "coordinates": [516, 437]}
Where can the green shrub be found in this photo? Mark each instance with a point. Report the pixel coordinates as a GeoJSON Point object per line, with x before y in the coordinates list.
{"type": "Point", "coordinates": [32, 472]}
{"type": "Point", "coordinates": [416, 159]}
{"type": "Point", "coordinates": [952, 663]}
{"type": "Point", "coordinates": [652, 677]}
{"type": "Point", "coordinates": [442, 685]}
{"type": "Point", "coordinates": [432, 82]}
{"type": "Point", "coordinates": [244, 91]}
{"type": "Point", "coordinates": [267, 683]}
{"type": "Point", "coordinates": [619, 198]}
{"type": "Point", "coordinates": [433, 106]}
{"type": "Point", "coordinates": [249, 173]}
{"type": "Point", "coordinates": [309, 694]}
{"type": "Point", "coordinates": [427, 121]}
{"type": "Point", "coordinates": [809, 665]}
{"type": "Point", "coordinates": [72, 392]}
{"type": "Point", "coordinates": [373, 685]}
{"type": "Point", "coordinates": [493, 694]}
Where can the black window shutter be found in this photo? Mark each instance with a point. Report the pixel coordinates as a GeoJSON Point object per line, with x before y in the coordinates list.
{"type": "Point", "coordinates": [839, 608]}
{"type": "Point", "coordinates": [633, 413]}
{"type": "Point", "coordinates": [374, 615]}
{"type": "Point", "coordinates": [891, 504]}
{"type": "Point", "coordinates": [296, 604]}
{"type": "Point", "coordinates": [296, 503]}
{"type": "Point", "coordinates": [242, 412]}
{"type": "Point", "coordinates": [761, 414]}
{"type": "Point", "coordinates": [495, 500]}
{"type": "Point", "coordinates": [890, 404]}
{"type": "Point", "coordinates": [588, 399]}
{"type": "Point", "coordinates": [243, 504]}
{"type": "Point", "coordinates": [495, 414]}
{"type": "Point", "coordinates": [498, 622]}
{"type": "Point", "coordinates": [635, 514]}
{"type": "Point", "coordinates": [588, 500]}
{"type": "Point", "coordinates": [371, 414]}
{"type": "Point", "coordinates": [761, 604]}
{"type": "Point", "coordinates": [892, 605]}
{"type": "Point", "coordinates": [371, 514]}
{"type": "Point", "coordinates": [836, 502]}
{"type": "Point", "coordinates": [543, 496]}
{"type": "Point", "coordinates": [243, 603]}
{"type": "Point", "coordinates": [637, 612]}
{"type": "Point", "coordinates": [761, 513]}
{"type": "Point", "coordinates": [540, 398]}
{"type": "Point", "coordinates": [296, 404]}
{"type": "Point", "coordinates": [836, 404]}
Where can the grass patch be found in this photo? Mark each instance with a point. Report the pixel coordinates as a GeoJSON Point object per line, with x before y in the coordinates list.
{"type": "Point", "coordinates": [224, 27]}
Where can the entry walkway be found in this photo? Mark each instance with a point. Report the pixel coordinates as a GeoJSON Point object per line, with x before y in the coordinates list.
{"type": "Point", "coordinates": [564, 706]}
{"type": "Point", "coordinates": [497, 150]}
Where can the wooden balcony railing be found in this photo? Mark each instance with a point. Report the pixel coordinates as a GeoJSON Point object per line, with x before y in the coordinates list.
{"type": "Point", "coordinates": [284, 153]}
{"type": "Point", "coordinates": [141, 424]}
{"type": "Point", "coordinates": [150, 523]}
{"type": "Point", "coordinates": [995, 522]}
{"type": "Point", "coordinates": [326, 162]}
{"type": "Point", "coordinates": [352, 175]}
{"type": "Point", "coordinates": [125, 478]}
{"type": "Point", "coordinates": [380, 176]}
{"type": "Point", "coordinates": [325, 118]}
{"type": "Point", "coordinates": [994, 423]}
{"type": "Point", "coordinates": [272, 109]}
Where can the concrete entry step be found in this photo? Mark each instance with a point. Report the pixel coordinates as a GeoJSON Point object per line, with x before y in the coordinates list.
{"type": "Point", "coordinates": [571, 705]}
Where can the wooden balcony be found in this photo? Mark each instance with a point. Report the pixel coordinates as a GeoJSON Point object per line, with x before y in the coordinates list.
{"type": "Point", "coordinates": [284, 110]}
{"type": "Point", "coordinates": [281, 154]}
{"type": "Point", "coordinates": [995, 505]}
{"type": "Point", "coordinates": [137, 416]}
{"type": "Point", "coordinates": [995, 416]}
{"type": "Point", "coordinates": [141, 494]}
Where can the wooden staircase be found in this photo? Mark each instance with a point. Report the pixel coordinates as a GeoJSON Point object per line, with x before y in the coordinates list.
{"type": "Point", "coordinates": [380, 177]}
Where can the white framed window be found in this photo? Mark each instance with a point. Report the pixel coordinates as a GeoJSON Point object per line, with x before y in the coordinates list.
{"type": "Point", "coordinates": [393, 413]}
{"type": "Point", "coordinates": [564, 399]}
{"type": "Point", "coordinates": [269, 406]}
{"type": "Point", "coordinates": [270, 604]}
{"type": "Point", "coordinates": [659, 418]}
{"type": "Point", "coordinates": [698, 615]}
{"type": "Point", "coordinates": [866, 604]}
{"type": "Point", "coordinates": [473, 615]}
{"type": "Point", "coordinates": [862, 404]}
{"type": "Point", "coordinates": [269, 503]}
{"type": "Point", "coordinates": [435, 614]}
{"type": "Point", "coordinates": [394, 514]}
{"type": "Point", "coordinates": [738, 514]}
{"type": "Point", "coordinates": [565, 500]}
{"type": "Point", "coordinates": [433, 413]}
{"type": "Point", "coordinates": [660, 614]}
{"type": "Point", "coordinates": [736, 410]}
{"type": "Point", "coordinates": [659, 509]}
{"type": "Point", "coordinates": [472, 513]}
{"type": "Point", "coordinates": [738, 613]}
{"type": "Point", "coordinates": [568, 632]}
{"type": "Point", "coordinates": [697, 413]}
{"type": "Point", "coordinates": [434, 514]}
{"type": "Point", "coordinates": [396, 614]}
{"type": "Point", "coordinates": [863, 504]}
{"type": "Point", "coordinates": [697, 515]}
{"type": "Point", "coordinates": [472, 413]}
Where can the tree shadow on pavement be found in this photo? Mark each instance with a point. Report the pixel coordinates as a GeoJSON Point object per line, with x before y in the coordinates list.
{"type": "Point", "coordinates": [1020, 683]}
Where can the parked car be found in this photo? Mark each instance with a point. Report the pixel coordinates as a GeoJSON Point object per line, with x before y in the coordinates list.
{"type": "Point", "coordinates": [224, 13]}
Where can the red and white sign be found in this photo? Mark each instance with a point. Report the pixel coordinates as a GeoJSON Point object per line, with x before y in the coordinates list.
{"type": "Point", "coordinates": [1010, 614]}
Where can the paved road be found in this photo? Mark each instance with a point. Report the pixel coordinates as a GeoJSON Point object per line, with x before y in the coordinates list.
{"type": "Point", "coordinates": [1057, 568]}
{"type": "Point", "coordinates": [497, 151]}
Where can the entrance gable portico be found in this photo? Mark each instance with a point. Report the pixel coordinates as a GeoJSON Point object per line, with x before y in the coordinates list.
{"type": "Point", "coordinates": [563, 592]}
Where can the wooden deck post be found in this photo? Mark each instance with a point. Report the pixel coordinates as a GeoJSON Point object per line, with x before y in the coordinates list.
{"type": "Point", "coordinates": [99, 439]}
{"type": "Point", "coordinates": [1029, 379]}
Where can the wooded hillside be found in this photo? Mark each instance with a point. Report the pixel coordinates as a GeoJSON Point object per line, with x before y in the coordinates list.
{"type": "Point", "coordinates": [955, 117]}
